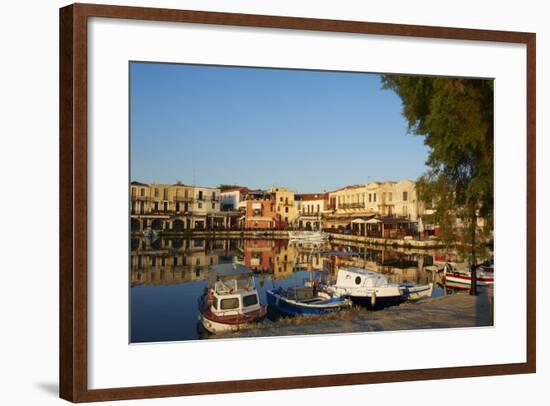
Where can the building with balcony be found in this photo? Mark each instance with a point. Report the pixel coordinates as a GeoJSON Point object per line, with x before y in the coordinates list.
{"type": "Point", "coordinates": [311, 209]}
{"type": "Point", "coordinates": [357, 203]}
{"type": "Point", "coordinates": [285, 209]}
{"type": "Point", "coordinates": [174, 207]}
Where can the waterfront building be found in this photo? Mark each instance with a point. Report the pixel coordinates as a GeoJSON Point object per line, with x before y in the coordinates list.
{"type": "Point", "coordinates": [285, 209]}
{"type": "Point", "coordinates": [206, 208]}
{"type": "Point", "coordinates": [351, 206]}
{"type": "Point", "coordinates": [175, 207]}
{"type": "Point", "coordinates": [259, 210]}
{"type": "Point", "coordinates": [399, 199]}
{"type": "Point", "coordinates": [311, 209]}
{"type": "Point", "coordinates": [232, 199]}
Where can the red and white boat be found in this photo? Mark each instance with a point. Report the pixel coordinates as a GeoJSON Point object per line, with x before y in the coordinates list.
{"type": "Point", "coordinates": [230, 303]}
{"type": "Point", "coordinates": [463, 277]}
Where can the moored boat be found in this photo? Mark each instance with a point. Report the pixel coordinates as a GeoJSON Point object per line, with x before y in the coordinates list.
{"type": "Point", "coordinates": [488, 266]}
{"type": "Point", "coordinates": [230, 303]}
{"type": "Point", "coordinates": [304, 300]}
{"type": "Point", "coordinates": [367, 288]}
{"type": "Point", "coordinates": [417, 292]}
{"type": "Point", "coordinates": [464, 277]}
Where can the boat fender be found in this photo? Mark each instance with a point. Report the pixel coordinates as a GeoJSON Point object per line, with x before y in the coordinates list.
{"type": "Point", "coordinates": [373, 299]}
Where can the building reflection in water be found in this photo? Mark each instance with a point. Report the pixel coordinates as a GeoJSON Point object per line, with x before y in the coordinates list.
{"type": "Point", "coordinates": [178, 260]}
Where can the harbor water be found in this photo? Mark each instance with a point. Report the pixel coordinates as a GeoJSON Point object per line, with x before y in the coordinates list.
{"type": "Point", "coordinates": [168, 276]}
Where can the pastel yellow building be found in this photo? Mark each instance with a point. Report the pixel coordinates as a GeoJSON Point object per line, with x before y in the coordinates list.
{"type": "Point", "coordinates": [285, 208]}
{"type": "Point", "coordinates": [174, 207]}
{"type": "Point", "coordinates": [377, 198]}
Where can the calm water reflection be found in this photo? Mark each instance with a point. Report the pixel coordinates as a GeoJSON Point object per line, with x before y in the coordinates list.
{"type": "Point", "coordinates": [169, 275]}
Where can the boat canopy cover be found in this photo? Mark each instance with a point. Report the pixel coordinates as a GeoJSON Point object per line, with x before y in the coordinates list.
{"type": "Point", "coordinates": [351, 277]}
{"type": "Point", "coordinates": [224, 274]}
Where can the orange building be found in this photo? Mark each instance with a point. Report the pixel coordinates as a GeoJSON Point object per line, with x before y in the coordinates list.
{"type": "Point", "coordinates": [259, 210]}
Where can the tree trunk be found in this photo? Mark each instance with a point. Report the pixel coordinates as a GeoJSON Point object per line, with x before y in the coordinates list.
{"type": "Point", "coordinates": [473, 260]}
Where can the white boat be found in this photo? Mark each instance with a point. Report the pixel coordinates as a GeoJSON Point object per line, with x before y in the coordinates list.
{"type": "Point", "coordinates": [230, 303]}
{"type": "Point", "coordinates": [307, 235]}
{"type": "Point", "coordinates": [367, 288]}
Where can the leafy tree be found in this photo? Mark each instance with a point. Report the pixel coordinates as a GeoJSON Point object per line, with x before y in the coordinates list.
{"type": "Point", "coordinates": [455, 117]}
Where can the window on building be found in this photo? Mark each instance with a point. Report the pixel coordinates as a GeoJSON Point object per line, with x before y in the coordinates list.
{"type": "Point", "coordinates": [389, 196]}
{"type": "Point", "coordinates": [186, 193]}
{"type": "Point", "coordinates": [318, 208]}
{"type": "Point", "coordinates": [156, 192]}
{"type": "Point", "coordinates": [374, 197]}
{"type": "Point", "coordinates": [370, 197]}
{"type": "Point", "coordinates": [286, 209]}
{"type": "Point", "coordinates": [405, 196]}
{"type": "Point", "coordinates": [213, 195]}
{"type": "Point", "coordinates": [142, 192]}
{"type": "Point", "coordinates": [200, 194]}
{"type": "Point", "coordinates": [165, 194]}
{"type": "Point", "coordinates": [213, 206]}
{"type": "Point", "coordinates": [200, 205]}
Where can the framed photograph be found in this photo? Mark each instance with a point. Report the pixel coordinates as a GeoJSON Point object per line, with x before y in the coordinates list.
{"type": "Point", "coordinates": [253, 202]}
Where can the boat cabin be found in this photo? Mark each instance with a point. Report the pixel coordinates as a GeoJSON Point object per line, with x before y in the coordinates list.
{"type": "Point", "coordinates": [233, 294]}
{"type": "Point", "coordinates": [351, 277]}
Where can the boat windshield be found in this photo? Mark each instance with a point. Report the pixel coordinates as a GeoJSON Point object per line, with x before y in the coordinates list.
{"type": "Point", "coordinates": [229, 303]}
{"type": "Point", "coordinates": [250, 300]}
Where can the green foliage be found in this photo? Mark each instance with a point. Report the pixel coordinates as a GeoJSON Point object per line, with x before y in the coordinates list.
{"type": "Point", "coordinates": [455, 117]}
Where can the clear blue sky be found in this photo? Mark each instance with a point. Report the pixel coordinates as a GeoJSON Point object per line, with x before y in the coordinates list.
{"type": "Point", "coordinates": [307, 130]}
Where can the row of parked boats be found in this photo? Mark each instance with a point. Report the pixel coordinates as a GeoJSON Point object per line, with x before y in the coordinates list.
{"type": "Point", "coordinates": [232, 301]}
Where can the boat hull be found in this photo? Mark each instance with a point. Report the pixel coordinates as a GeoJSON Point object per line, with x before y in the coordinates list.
{"type": "Point", "coordinates": [379, 302]}
{"type": "Point", "coordinates": [220, 324]}
{"type": "Point", "coordinates": [418, 292]}
{"type": "Point", "coordinates": [464, 279]}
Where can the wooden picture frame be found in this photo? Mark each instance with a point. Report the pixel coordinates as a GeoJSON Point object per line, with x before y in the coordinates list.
{"type": "Point", "coordinates": [74, 201]}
